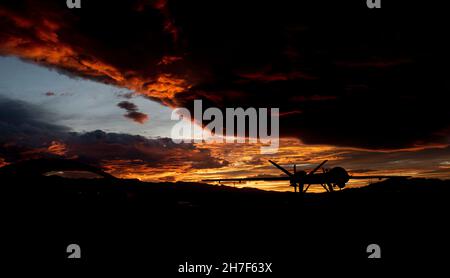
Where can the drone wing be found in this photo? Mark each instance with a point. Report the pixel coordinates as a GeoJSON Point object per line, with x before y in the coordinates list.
{"type": "Point", "coordinates": [377, 177]}
{"type": "Point", "coordinates": [248, 179]}
{"type": "Point", "coordinates": [288, 177]}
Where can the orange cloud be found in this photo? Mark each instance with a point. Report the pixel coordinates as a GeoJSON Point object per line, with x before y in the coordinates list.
{"type": "Point", "coordinates": [39, 38]}
{"type": "Point", "coordinates": [3, 162]}
{"type": "Point", "coordinates": [57, 148]}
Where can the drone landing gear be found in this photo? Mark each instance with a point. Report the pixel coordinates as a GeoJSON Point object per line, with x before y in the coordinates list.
{"type": "Point", "coordinates": [301, 188]}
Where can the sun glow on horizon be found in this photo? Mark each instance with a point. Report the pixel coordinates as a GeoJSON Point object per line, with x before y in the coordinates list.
{"type": "Point", "coordinates": [245, 160]}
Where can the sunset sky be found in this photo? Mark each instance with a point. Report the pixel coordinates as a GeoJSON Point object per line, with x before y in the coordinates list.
{"type": "Point", "coordinates": [99, 84]}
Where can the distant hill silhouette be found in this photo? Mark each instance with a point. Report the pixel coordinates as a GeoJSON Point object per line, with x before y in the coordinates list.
{"type": "Point", "coordinates": [129, 220]}
{"type": "Point", "coordinates": [38, 167]}
{"type": "Point", "coordinates": [30, 174]}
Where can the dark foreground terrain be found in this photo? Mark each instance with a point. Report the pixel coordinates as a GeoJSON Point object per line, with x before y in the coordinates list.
{"type": "Point", "coordinates": [127, 224]}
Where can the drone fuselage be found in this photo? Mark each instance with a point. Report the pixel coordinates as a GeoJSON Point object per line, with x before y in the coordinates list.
{"type": "Point", "coordinates": [336, 176]}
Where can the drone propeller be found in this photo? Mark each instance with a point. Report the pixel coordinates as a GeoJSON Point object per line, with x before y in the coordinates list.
{"type": "Point", "coordinates": [281, 168]}
{"type": "Point", "coordinates": [293, 183]}
{"type": "Point", "coordinates": [318, 167]}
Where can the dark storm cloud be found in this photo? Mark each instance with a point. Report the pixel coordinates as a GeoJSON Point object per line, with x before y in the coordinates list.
{"type": "Point", "coordinates": [340, 73]}
{"type": "Point", "coordinates": [26, 133]}
{"type": "Point", "coordinates": [132, 112]}
{"type": "Point", "coordinates": [99, 146]}
{"type": "Point", "coordinates": [21, 121]}
{"type": "Point", "coordinates": [372, 79]}
{"type": "Point", "coordinates": [24, 128]}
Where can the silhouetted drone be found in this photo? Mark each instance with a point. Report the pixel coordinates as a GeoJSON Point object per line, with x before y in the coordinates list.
{"type": "Point", "coordinates": [328, 179]}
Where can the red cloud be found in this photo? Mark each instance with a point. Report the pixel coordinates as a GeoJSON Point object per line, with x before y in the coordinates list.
{"type": "Point", "coordinates": [137, 117]}
{"type": "Point", "coordinates": [174, 52]}
{"type": "Point", "coordinates": [133, 112]}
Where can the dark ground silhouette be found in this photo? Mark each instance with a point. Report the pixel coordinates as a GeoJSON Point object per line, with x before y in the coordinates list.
{"type": "Point", "coordinates": [161, 225]}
